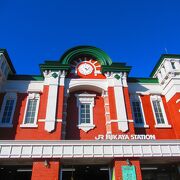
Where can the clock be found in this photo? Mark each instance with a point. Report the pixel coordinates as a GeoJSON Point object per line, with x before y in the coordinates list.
{"type": "Point", "coordinates": [85, 68]}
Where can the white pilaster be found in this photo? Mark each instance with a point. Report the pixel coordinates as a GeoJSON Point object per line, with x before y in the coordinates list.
{"type": "Point", "coordinates": [52, 79]}
{"type": "Point", "coordinates": [107, 112]}
{"type": "Point", "coordinates": [119, 79]}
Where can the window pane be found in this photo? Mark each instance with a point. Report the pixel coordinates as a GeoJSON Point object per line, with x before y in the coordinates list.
{"type": "Point", "coordinates": [31, 111]}
{"type": "Point", "coordinates": [85, 113]}
{"type": "Point", "coordinates": [158, 112]}
{"type": "Point", "coordinates": [8, 111]}
{"type": "Point", "coordinates": [137, 112]}
{"type": "Point", "coordinates": [173, 65]}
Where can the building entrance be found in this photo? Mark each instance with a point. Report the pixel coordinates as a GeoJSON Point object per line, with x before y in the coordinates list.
{"type": "Point", "coordinates": [15, 172]}
{"type": "Point", "coordinates": [87, 172]}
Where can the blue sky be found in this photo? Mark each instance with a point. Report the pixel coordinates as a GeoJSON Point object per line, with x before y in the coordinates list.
{"type": "Point", "coordinates": [132, 31]}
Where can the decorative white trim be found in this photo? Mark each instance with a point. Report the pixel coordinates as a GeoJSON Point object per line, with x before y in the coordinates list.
{"type": "Point", "coordinates": [86, 127]}
{"type": "Point", "coordinates": [171, 88]}
{"type": "Point", "coordinates": [53, 79]}
{"type": "Point", "coordinates": [107, 111]}
{"type": "Point", "coordinates": [158, 98]}
{"type": "Point", "coordinates": [89, 149]}
{"type": "Point", "coordinates": [120, 109]}
{"type": "Point", "coordinates": [43, 120]}
{"type": "Point", "coordinates": [145, 88]}
{"type": "Point", "coordinates": [163, 126]}
{"type": "Point", "coordinates": [8, 96]}
{"type": "Point", "coordinates": [29, 125]}
{"type": "Point", "coordinates": [131, 120]}
{"type": "Point", "coordinates": [90, 84]}
{"type": "Point", "coordinates": [178, 100]}
{"type": "Point", "coordinates": [22, 86]}
{"type": "Point", "coordinates": [34, 91]}
{"type": "Point", "coordinates": [30, 97]}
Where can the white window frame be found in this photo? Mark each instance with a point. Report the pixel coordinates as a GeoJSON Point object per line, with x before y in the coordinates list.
{"type": "Point", "coordinates": [31, 96]}
{"type": "Point", "coordinates": [137, 98]}
{"type": "Point", "coordinates": [9, 95]}
{"type": "Point", "coordinates": [85, 99]}
{"type": "Point", "coordinates": [159, 125]}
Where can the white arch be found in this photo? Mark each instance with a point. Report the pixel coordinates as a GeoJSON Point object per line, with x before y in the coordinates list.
{"type": "Point", "coordinates": [87, 84]}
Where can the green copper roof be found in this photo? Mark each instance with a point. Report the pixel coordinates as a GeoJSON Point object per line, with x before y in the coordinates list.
{"type": "Point", "coordinates": [163, 56]}
{"type": "Point", "coordinates": [116, 67]}
{"type": "Point", "coordinates": [142, 80]}
{"type": "Point", "coordinates": [26, 77]}
{"type": "Point", "coordinates": [4, 51]}
{"type": "Point", "coordinates": [75, 52]}
{"type": "Point", "coordinates": [54, 65]}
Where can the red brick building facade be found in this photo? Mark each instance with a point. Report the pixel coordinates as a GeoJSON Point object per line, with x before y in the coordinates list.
{"type": "Point", "coordinates": [85, 118]}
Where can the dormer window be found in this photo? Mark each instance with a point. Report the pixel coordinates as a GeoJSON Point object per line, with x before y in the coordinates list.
{"type": "Point", "coordinates": [85, 104]}
{"type": "Point", "coordinates": [173, 65]}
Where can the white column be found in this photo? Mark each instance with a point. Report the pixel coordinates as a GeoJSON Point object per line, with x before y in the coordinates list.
{"type": "Point", "coordinates": [118, 80]}
{"type": "Point", "coordinates": [52, 79]}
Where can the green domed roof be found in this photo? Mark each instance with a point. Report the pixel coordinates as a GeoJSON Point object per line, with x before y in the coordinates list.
{"type": "Point", "coordinates": [97, 53]}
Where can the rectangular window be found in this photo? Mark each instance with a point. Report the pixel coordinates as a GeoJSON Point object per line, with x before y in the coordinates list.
{"type": "Point", "coordinates": [8, 110]}
{"type": "Point", "coordinates": [173, 65]}
{"type": "Point", "coordinates": [31, 111]}
{"type": "Point", "coordinates": [85, 104]}
{"type": "Point", "coordinates": [158, 112]}
{"type": "Point", "coordinates": [85, 113]}
{"type": "Point", "coordinates": [137, 112]}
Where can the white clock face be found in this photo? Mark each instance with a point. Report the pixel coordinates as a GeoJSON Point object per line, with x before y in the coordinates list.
{"type": "Point", "coordinates": [85, 68]}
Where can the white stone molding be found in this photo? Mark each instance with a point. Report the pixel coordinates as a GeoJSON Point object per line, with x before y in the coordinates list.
{"type": "Point", "coordinates": [53, 79]}
{"type": "Point", "coordinates": [178, 102]}
{"type": "Point", "coordinates": [107, 112]}
{"type": "Point", "coordinates": [22, 86]}
{"type": "Point", "coordinates": [117, 80]}
{"type": "Point", "coordinates": [145, 88]}
{"type": "Point", "coordinates": [124, 79]}
{"type": "Point", "coordinates": [165, 71]}
{"type": "Point", "coordinates": [121, 109]}
{"type": "Point", "coordinates": [51, 108]}
{"type": "Point", "coordinates": [14, 149]}
{"type": "Point", "coordinates": [96, 85]}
